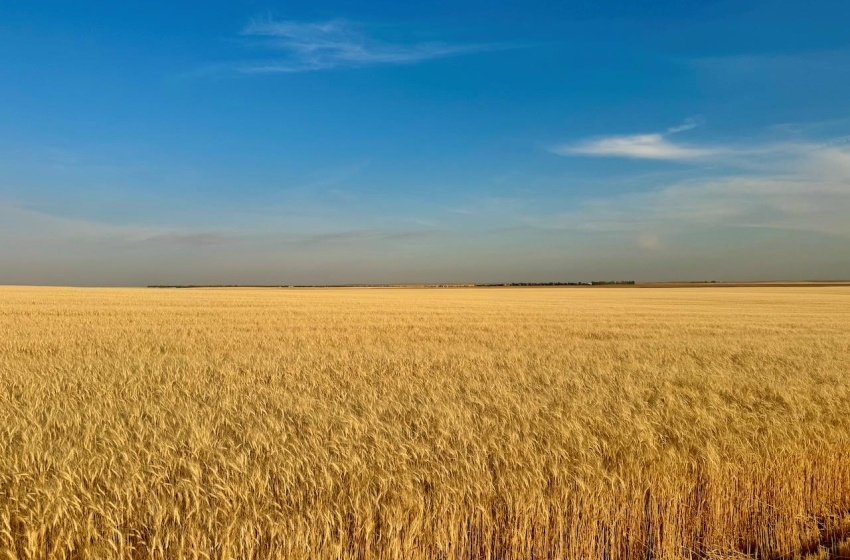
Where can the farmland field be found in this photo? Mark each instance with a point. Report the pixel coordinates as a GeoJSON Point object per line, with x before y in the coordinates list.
{"type": "Point", "coordinates": [504, 423]}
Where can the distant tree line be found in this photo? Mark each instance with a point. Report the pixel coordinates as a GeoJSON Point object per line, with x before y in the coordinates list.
{"type": "Point", "coordinates": [593, 283]}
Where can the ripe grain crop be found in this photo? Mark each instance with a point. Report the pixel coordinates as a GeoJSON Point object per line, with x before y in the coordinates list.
{"type": "Point", "coordinates": [512, 423]}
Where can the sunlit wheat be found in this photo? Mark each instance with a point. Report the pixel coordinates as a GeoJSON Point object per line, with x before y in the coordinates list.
{"type": "Point", "coordinates": [412, 424]}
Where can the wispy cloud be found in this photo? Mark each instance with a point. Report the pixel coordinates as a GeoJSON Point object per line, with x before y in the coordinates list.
{"type": "Point", "coordinates": [299, 46]}
{"type": "Point", "coordinates": [812, 195]}
{"type": "Point", "coordinates": [636, 146]}
{"type": "Point", "coordinates": [38, 226]}
{"type": "Point", "coordinates": [654, 145]}
{"type": "Point", "coordinates": [661, 146]}
{"type": "Point", "coordinates": [54, 230]}
{"type": "Point", "coordinates": [689, 124]}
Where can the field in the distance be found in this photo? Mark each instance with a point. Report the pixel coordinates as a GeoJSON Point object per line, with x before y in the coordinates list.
{"type": "Point", "coordinates": [411, 424]}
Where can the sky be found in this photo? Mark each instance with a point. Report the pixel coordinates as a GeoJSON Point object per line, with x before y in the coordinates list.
{"type": "Point", "coordinates": [401, 142]}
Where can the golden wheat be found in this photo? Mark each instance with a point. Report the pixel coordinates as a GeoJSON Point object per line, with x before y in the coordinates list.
{"type": "Point", "coordinates": [425, 424]}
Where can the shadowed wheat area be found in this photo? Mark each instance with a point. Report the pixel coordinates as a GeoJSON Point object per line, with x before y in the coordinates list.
{"type": "Point", "coordinates": [425, 424]}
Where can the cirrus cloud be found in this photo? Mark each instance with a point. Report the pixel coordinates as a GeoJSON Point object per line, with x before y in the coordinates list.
{"type": "Point", "coordinates": [301, 46]}
{"type": "Point", "coordinates": [654, 145]}
{"type": "Point", "coordinates": [811, 194]}
{"type": "Point", "coordinates": [637, 146]}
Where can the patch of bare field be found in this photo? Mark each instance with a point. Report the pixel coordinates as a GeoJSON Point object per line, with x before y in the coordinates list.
{"type": "Point", "coordinates": [425, 424]}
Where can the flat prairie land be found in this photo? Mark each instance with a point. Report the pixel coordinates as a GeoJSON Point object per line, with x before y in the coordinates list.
{"type": "Point", "coordinates": [502, 423]}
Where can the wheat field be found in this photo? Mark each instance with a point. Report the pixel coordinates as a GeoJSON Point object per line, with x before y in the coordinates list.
{"type": "Point", "coordinates": [509, 423]}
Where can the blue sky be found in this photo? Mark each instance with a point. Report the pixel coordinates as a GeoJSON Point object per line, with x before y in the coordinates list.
{"type": "Point", "coordinates": [346, 142]}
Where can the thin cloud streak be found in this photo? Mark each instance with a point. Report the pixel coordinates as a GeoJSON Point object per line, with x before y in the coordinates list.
{"type": "Point", "coordinates": [654, 145]}
{"type": "Point", "coordinates": [659, 146]}
{"type": "Point", "coordinates": [636, 146]}
{"type": "Point", "coordinates": [43, 227]}
{"type": "Point", "coordinates": [312, 46]}
{"type": "Point", "coordinates": [689, 124]}
{"type": "Point", "coordinates": [813, 197]}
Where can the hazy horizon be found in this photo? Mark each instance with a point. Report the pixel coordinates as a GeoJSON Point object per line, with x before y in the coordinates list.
{"type": "Point", "coordinates": [385, 143]}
